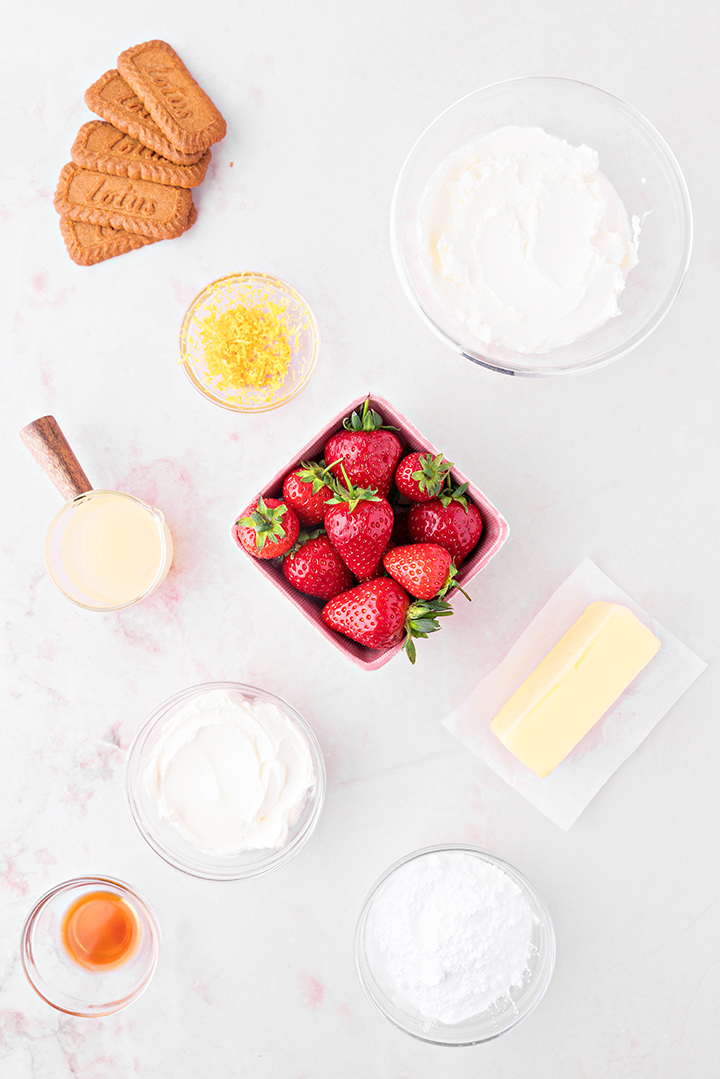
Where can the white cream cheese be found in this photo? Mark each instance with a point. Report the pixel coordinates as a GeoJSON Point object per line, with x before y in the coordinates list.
{"type": "Point", "coordinates": [525, 240]}
{"type": "Point", "coordinates": [230, 774]}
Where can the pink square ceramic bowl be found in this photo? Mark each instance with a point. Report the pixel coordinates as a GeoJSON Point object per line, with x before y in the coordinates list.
{"type": "Point", "coordinates": [494, 534]}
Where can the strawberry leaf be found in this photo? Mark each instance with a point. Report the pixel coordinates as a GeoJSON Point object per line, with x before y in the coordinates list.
{"type": "Point", "coordinates": [421, 619]}
{"type": "Point", "coordinates": [266, 522]}
{"type": "Point", "coordinates": [433, 473]}
{"type": "Point", "coordinates": [352, 495]}
{"type": "Point", "coordinates": [303, 537]}
{"type": "Point", "coordinates": [454, 494]}
{"type": "Point", "coordinates": [317, 473]}
{"type": "Point", "coordinates": [422, 626]}
{"type": "Point", "coordinates": [366, 420]}
{"type": "Point", "coordinates": [451, 584]}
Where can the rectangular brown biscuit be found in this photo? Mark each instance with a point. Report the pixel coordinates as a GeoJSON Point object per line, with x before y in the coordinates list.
{"type": "Point", "coordinates": [180, 108]}
{"type": "Point", "coordinates": [112, 98]}
{"type": "Point", "coordinates": [89, 244]}
{"type": "Point", "coordinates": [104, 148]}
{"type": "Point", "coordinates": [140, 206]}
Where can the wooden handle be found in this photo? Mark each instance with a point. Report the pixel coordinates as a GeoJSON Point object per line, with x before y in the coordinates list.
{"type": "Point", "coordinates": [51, 450]}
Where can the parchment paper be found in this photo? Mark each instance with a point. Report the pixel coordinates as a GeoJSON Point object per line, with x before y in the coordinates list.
{"type": "Point", "coordinates": [564, 794]}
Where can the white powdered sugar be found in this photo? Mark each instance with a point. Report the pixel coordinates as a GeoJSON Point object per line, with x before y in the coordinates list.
{"type": "Point", "coordinates": [451, 933]}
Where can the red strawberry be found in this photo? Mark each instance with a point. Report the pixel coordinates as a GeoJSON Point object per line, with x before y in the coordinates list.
{"type": "Point", "coordinates": [421, 568]}
{"type": "Point", "coordinates": [316, 569]}
{"type": "Point", "coordinates": [269, 529]}
{"type": "Point", "coordinates": [367, 449]}
{"type": "Point", "coordinates": [359, 524]}
{"type": "Point", "coordinates": [420, 476]}
{"type": "Point", "coordinates": [378, 613]}
{"type": "Point", "coordinates": [307, 489]}
{"type": "Point", "coordinates": [450, 520]}
{"type": "Point", "coordinates": [373, 613]}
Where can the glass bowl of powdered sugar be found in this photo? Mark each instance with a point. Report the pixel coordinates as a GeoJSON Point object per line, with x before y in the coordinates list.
{"type": "Point", "coordinates": [454, 945]}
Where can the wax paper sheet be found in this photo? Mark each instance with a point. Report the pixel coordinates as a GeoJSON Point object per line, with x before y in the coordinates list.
{"type": "Point", "coordinates": [564, 794]}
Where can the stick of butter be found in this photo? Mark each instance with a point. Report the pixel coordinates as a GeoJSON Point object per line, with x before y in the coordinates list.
{"type": "Point", "coordinates": [573, 687]}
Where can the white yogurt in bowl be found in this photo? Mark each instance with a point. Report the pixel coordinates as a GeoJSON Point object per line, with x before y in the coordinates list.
{"type": "Point", "coordinates": [225, 781]}
{"type": "Point", "coordinates": [230, 774]}
{"type": "Point", "coordinates": [515, 221]}
{"type": "Point", "coordinates": [525, 240]}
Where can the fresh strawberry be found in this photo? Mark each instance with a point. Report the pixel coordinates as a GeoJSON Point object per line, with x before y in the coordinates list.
{"type": "Point", "coordinates": [269, 529]}
{"type": "Point", "coordinates": [450, 520]}
{"type": "Point", "coordinates": [307, 489]}
{"type": "Point", "coordinates": [424, 570]}
{"type": "Point", "coordinates": [378, 613]}
{"type": "Point", "coordinates": [316, 568]}
{"type": "Point", "coordinates": [359, 523]}
{"type": "Point", "coordinates": [368, 450]}
{"type": "Point", "coordinates": [420, 476]}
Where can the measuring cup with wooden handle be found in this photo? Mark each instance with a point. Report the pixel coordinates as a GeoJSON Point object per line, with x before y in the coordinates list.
{"type": "Point", "coordinates": [104, 549]}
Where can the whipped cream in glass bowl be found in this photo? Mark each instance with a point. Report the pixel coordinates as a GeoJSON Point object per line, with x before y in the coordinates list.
{"type": "Point", "coordinates": [541, 227]}
{"type": "Point", "coordinates": [526, 241]}
{"type": "Point", "coordinates": [225, 781]}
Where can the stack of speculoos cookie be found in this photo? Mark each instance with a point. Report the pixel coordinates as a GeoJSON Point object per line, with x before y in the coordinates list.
{"type": "Point", "coordinates": [129, 181]}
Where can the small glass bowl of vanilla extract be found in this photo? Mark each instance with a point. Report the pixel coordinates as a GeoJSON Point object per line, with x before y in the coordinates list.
{"type": "Point", "coordinates": [90, 946]}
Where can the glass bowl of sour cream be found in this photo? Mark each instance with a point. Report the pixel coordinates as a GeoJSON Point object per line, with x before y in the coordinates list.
{"type": "Point", "coordinates": [541, 227]}
{"type": "Point", "coordinates": [454, 945]}
{"type": "Point", "coordinates": [225, 781]}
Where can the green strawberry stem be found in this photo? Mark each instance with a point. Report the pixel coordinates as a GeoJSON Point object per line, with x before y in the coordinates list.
{"type": "Point", "coordinates": [454, 494]}
{"type": "Point", "coordinates": [318, 473]}
{"type": "Point", "coordinates": [451, 583]}
{"type": "Point", "coordinates": [266, 521]}
{"type": "Point", "coordinates": [433, 473]}
{"type": "Point", "coordinates": [421, 619]}
{"type": "Point", "coordinates": [304, 536]}
{"type": "Point", "coordinates": [367, 420]}
{"type": "Point", "coordinates": [351, 494]}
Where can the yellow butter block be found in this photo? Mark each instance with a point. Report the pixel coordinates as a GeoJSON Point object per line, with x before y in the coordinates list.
{"type": "Point", "coordinates": [573, 687]}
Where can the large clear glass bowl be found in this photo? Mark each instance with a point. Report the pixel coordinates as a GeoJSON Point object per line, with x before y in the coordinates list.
{"type": "Point", "coordinates": [167, 842]}
{"type": "Point", "coordinates": [501, 1016]}
{"type": "Point", "coordinates": [633, 156]}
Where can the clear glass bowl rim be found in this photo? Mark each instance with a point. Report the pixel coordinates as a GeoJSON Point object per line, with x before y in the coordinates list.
{"type": "Point", "coordinates": [226, 871]}
{"type": "Point", "coordinates": [494, 859]}
{"type": "Point", "coordinates": [519, 369]}
{"type": "Point", "coordinates": [28, 963]}
{"type": "Point", "coordinates": [278, 282]}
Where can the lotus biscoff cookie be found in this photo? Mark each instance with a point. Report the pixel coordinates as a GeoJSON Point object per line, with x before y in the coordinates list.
{"type": "Point", "coordinates": [104, 148]}
{"type": "Point", "coordinates": [112, 99]}
{"type": "Point", "coordinates": [89, 244]}
{"type": "Point", "coordinates": [140, 206]}
{"type": "Point", "coordinates": [180, 108]}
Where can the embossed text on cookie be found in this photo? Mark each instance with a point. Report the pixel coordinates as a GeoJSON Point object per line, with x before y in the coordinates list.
{"type": "Point", "coordinates": [129, 200]}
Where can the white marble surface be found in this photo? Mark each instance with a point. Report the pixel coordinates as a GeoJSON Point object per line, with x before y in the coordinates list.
{"type": "Point", "coordinates": [256, 979]}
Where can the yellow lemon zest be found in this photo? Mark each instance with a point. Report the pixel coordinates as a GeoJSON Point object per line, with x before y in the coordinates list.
{"type": "Point", "coordinates": [250, 345]}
